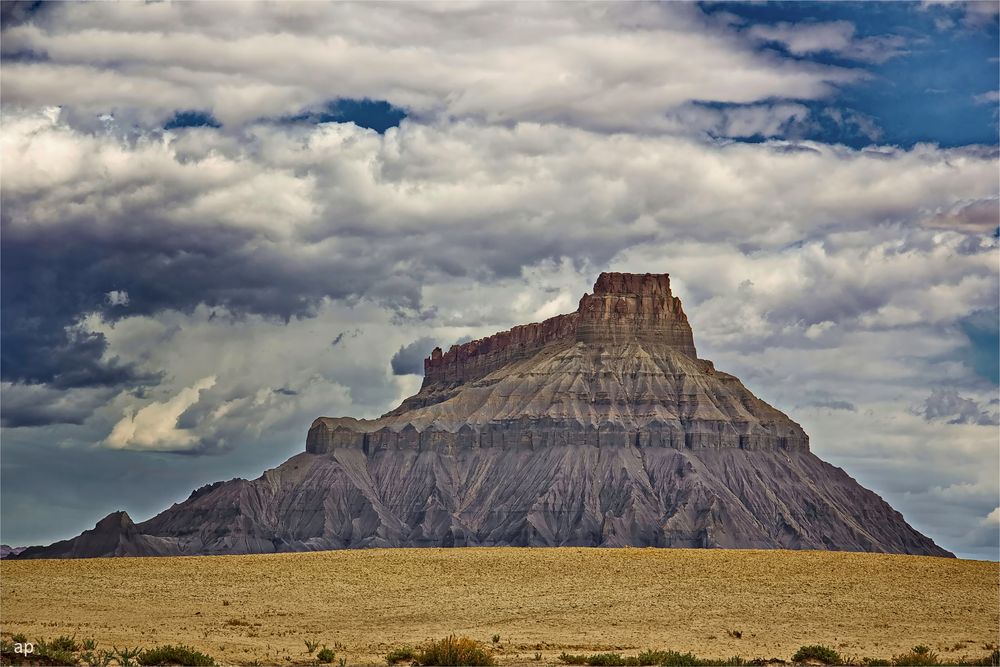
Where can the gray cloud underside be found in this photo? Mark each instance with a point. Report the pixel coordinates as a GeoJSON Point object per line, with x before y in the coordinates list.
{"type": "Point", "coordinates": [278, 272]}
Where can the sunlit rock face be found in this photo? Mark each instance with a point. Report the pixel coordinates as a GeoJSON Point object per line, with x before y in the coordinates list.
{"type": "Point", "coordinates": [600, 427]}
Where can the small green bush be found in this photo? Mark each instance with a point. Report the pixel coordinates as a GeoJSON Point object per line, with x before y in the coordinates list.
{"type": "Point", "coordinates": [175, 655]}
{"type": "Point", "coordinates": [823, 654]}
{"type": "Point", "coordinates": [404, 654]}
{"type": "Point", "coordinates": [126, 656]}
{"type": "Point", "coordinates": [454, 650]}
{"type": "Point", "coordinates": [64, 643]}
{"type": "Point", "coordinates": [325, 655]}
{"type": "Point", "coordinates": [667, 658]}
{"type": "Point", "coordinates": [918, 656]}
{"type": "Point", "coordinates": [89, 644]}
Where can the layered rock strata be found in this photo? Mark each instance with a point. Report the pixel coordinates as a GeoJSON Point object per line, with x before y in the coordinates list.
{"type": "Point", "coordinates": [595, 428]}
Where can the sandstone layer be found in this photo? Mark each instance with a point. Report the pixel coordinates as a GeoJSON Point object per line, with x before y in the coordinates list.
{"type": "Point", "coordinates": [600, 427]}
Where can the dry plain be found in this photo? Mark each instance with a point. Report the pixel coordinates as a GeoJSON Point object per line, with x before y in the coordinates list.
{"type": "Point", "coordinates": [241, 609]}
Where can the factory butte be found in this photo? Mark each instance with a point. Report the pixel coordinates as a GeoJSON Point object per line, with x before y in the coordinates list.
{"type": "Point", "coordinates": [600, 427]}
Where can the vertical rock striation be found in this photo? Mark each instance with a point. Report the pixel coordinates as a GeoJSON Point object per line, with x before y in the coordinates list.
{"type": "Point", "coordinates": [601, 427]}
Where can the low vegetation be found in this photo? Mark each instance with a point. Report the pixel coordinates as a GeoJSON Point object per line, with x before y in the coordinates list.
{"type": "Point", "coordinates": [823, 654]}
{"type": "Point", "coordinates": [918, 656]}
{"type": "Point", "coordinates": [454, 650]}
{"type": "Point", "coordinates": [175, 655]}
{"type": "Point", "coordinates": [403, 654]}
{"type": "Point", "coordinates": [670, 658]}
{"type": "Point", "coordinates": [67, 651]}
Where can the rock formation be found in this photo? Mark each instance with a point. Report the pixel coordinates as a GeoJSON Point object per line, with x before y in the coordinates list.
{"type": "Point", "coordinates": [601, 427]}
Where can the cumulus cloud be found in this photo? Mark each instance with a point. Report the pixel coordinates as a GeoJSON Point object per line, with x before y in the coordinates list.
{"type": "Point", "coordinates": [949, 406]}
{"type": "Point", "coordinates": [833, 37]}
{"type": "Point", "coordinates": [154, 427]}
{"type": "Point", "coordinates": [598, 66]}
{"type": "Point", "coordinates": [164, 224]}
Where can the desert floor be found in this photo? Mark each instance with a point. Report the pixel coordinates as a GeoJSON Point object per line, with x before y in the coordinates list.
{"type": "Point", "coordinates": [361, 603]}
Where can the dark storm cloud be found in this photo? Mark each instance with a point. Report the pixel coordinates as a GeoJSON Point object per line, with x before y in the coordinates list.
{"type": "Point", "coordinates": [249, 249]}
{"type": "Point", "coordinates": [39, 405]}
{"type": "Point", "coordinates": [16, 12]}
{"type": "Point", "coordinates": [409, 360]}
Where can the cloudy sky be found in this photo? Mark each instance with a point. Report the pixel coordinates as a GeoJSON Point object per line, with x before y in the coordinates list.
{"type": "Point", "coordinates": [222, 220]}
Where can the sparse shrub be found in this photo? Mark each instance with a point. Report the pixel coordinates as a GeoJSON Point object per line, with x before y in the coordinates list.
{"type": "Point", "coordinates": [64, 643]}
{"type": "Point", "coordinates": [126, 656]}
{"type": "Point", "coordinates": [735, 634]}
{"type": "Point", "coordinates": [404, 654]}
{"type": "Point", "coordinates": [89, 644]}
{"type": "Point", "coordinates": [225, 603]}
{"type": "Point", "coordinates": [876, 662]}
{"type": "Point", "coordinates": [325, 655]}
{"type": "Point", "coordinates": [538, 656]}
{"type": "Point", "coordinates": [175, 655]}
{"type": "Point", "coordinates": [918, 655]}
{"type": "Point", "coordinates": [823, 654]}
{"type": "Point", "coordinates": [667, 658]}
{"type": "Point", "coordinates": [20, 638]}
{"type": "Point", "coordinates": [236, 622]}
{"type": "Point", "coordinates": [454, 650]}
{"type": "Point", "coordinates": [311, 645]}
{"type": "Point", "coordinates": [55, 652]}
{"type": "Point", "coordinates": [649, 657]}
{"type": "Point", "coordinates": [342, 662]}
{"type": "Point", "coordinates": [608, 660]}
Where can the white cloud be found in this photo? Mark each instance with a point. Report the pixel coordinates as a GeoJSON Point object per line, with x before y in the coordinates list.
{"type": "Point", "coordinates": [542, 147]}
{"type": "Point", "coordinates": [833, 37]}
{"type": "Point", "coordinates": [598, 66]}
{"type": "Point", "coordinates": [154, 427]}
{"type": "Point", "coordinates": [116, 298]}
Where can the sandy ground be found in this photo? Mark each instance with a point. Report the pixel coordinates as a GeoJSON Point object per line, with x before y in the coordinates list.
{"type": "Point", "coordinates": [361, 603]}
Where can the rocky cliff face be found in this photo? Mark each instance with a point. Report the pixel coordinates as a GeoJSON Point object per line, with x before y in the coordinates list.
{"type": "Point", "coordinates": [596, 428]}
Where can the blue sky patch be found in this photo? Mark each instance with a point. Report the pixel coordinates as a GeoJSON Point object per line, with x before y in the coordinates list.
{"type": "Point", "coordinates": [933, 71]}
{"type": "Point", "coordinates": [376, 115]}
{"type": "Point", "coordinates": [191, 118]}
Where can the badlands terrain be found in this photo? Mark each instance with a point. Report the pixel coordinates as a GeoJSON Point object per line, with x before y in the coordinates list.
{"type": "Point", "coordinates": [361, 603]}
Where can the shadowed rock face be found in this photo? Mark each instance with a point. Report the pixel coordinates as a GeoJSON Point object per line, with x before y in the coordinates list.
{"type": "Point", "coordinates": [596, 428]}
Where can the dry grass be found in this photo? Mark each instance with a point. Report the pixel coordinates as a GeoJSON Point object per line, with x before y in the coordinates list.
{"type": "Point", "coordinates": [715, 603]}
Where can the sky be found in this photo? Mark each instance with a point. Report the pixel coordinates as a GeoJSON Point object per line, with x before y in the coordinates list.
{"type": "Point", "coordinates": [222, 220]}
